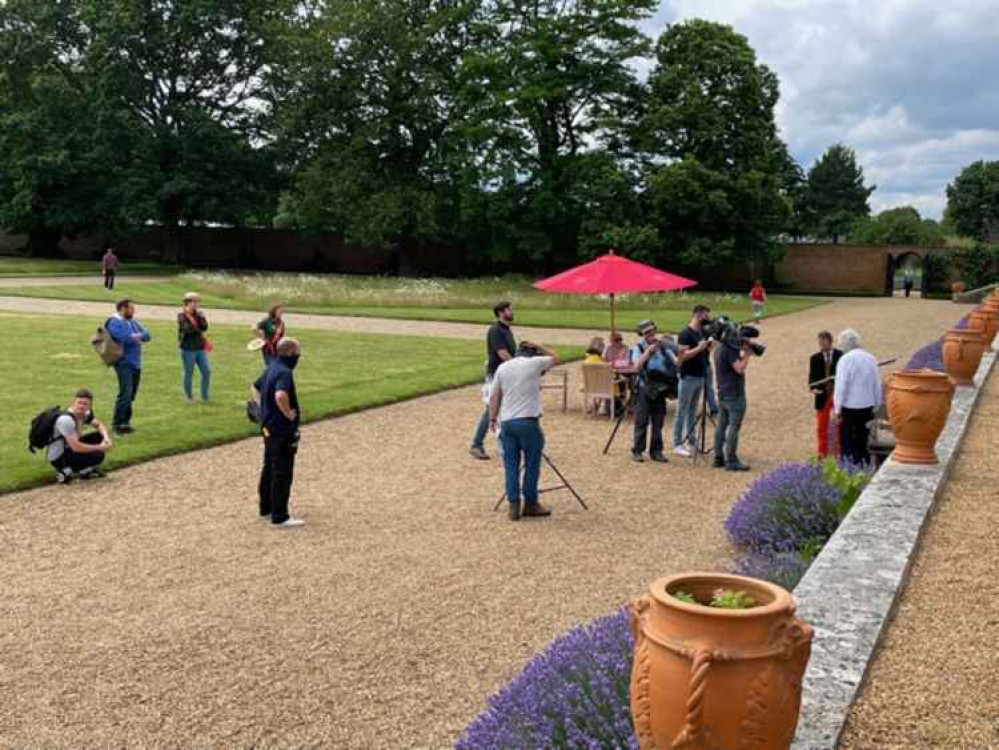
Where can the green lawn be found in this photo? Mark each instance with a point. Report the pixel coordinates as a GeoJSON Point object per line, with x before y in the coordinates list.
{"type": "Point", "coordinates": [467, 301]}
{"type": "Point", "coordinates": [50, 357]}
{"type": "Point", "coordinates": [18, 266]}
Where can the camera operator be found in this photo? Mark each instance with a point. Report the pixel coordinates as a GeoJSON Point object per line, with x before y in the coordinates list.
{"type": "Point", "coordinates": [694, 363]}
{"type": "Point", "coordinates": [654, 362]}
{"type": "Point", "coordinates": [731, 360]}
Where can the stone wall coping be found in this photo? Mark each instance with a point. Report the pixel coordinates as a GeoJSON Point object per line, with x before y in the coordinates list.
{"type": "Point", "coordinates": [849, 593]}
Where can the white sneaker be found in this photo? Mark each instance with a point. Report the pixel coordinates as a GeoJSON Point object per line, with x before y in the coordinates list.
{"type": "Point", "coordinates": [682, 450]}
{"type": "Point", "coordinates": [291, 523]}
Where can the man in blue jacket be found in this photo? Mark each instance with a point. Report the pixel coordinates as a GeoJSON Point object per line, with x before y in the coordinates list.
{"type": "Point", "coordinates": [126, 330]}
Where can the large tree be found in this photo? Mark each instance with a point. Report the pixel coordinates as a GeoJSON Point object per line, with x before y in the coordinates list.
{"type": "Point", "coordinates": [169, 89]}
{"type": "Point", "coordinates": [837, 195]}
{"type": "Point", "coordinates": [720, 179]}
{"type": "Point", "coordinates": [897, 226]}
{"type": "Point", "coordinates": [548, 84]}
{"type": "Point", "coordinates": [973, 201]}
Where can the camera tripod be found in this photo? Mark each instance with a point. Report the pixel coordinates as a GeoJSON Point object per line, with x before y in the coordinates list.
{"type": "Point", "coordinates": [632, 397]}
{"type": "Point", "coordinates": [699, 441]}
{"type": "Point", "coordinates": [564, 486]}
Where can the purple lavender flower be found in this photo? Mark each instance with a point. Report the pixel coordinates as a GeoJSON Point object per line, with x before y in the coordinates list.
{"type": "Point", "coordinates": [929, 357]}
{"type": "Point", "coordinates": [574, 694]}
{"type": "Point", "coordinates": [783, 568]}
{"type": "Point", "coordinates": [786, 510]}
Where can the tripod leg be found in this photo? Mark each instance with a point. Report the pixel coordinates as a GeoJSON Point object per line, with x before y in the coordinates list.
{"type": "Point", "coordinates": [617, 426]}
{"type": "Point", "coordinates": [499, 502]}
{"type": "Point", "coordinates": [564, 481]}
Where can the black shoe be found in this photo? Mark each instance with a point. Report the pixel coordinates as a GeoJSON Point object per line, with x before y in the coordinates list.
{"type": "Point", "coordinates": [93, 473]}
{"type": "Point", "coordinates": [124, 429]}
{"type": "Point", "coordinates": [637, 457]}
{"type": "Point", "coordinates": [659, 458]}
{"type": "Point", "coordinates": [515, 511]}
{"type": "Point", "coordinates": [535, 510]}
{"type": "Point", "coordinates": [718, 464]}
{"type": "Point", "coordinates": [63, 478]}
{"type": "Point", "coordinates": [736, 466]}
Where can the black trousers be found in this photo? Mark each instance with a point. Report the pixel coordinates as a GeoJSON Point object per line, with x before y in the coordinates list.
{"type": "Point", "coordinates": [646, 411]}
{"type": "Point", "coordinates": [853, 434]}
{"type": "Point", "coordinates": [77, 462]}
{"type": "Point", "coordinates": [109, 279]}
{"type": "Point", "coordinates": [276, 476]}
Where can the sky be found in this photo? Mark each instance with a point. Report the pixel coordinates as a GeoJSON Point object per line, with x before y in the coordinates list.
{"type": "Point", "coordinates": [911, 85]}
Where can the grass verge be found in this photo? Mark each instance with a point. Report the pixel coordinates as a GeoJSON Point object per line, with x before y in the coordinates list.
{"type": "Point", "coordinates": [466, 301]}
{"type": "Point", "coordinates": [50, 358]}
{"type": "Point", "coordinates": [15, 266]}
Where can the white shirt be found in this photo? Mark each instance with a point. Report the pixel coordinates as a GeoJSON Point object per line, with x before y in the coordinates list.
{"type": "Point", "coordinates": [519, 382]}
{"type": "Point", "coordinates": [858, 383]}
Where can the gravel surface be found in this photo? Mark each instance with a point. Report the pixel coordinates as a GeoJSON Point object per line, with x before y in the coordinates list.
{"type": "Point", "coordinates": [933, 681]}
{"type": "Point", "coordinates": [153, 610]}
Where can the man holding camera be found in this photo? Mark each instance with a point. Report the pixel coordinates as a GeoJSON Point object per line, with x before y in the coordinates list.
{"type": "Point", "coordinates": [654, 362]}
{"type": "Point", "coordinates": [731, 360]}
{"type": "Point", "coordinates": [500, 347]}
{"type": "Point", "coordinates": [694, 364]}
{"type": "Point", "coordinates": [515, 404]}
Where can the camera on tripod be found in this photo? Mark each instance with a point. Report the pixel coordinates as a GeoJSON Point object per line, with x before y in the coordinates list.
{"type": "Point", "coordinates": [733, 334]}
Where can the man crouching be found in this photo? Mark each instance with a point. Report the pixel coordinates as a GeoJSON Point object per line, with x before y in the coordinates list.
{"type": "Point", "coordinates": [72, 453]}
{"type": "Point", "coordinates": [515, 403]}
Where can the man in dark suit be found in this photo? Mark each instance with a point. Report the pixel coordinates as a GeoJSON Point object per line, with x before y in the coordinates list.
{"type": "Point", "coordinates": [823, 365]}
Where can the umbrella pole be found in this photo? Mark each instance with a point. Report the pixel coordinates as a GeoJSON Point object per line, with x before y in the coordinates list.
{"type": "Point", "coordinates": [613, 327]}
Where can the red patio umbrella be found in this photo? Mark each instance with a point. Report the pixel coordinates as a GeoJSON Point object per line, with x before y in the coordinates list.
{"type": "Point", "coordinates": [613, 274]}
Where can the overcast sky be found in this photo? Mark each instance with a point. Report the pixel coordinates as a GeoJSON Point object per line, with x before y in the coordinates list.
{"type": "Point", "coordinates": [911, 85]}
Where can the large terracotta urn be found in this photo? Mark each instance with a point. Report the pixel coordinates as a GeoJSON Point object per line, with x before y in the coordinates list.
{"type": "Point", "coordinates": [918, 404]}
{"type": "Point", "coordinates": [962, 352]}
{"type": "Point", "coordinates": [987, 325]}
{"type": "Point", "coordinates": [706, 678]}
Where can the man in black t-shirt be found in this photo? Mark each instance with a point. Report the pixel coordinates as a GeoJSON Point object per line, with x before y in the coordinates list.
{"type": "Point", "coordinates": [693, 371]}
{"type": "Point", "coordinates": [279, 419]}
{"type": "Point", "coordinates": [500, 346]}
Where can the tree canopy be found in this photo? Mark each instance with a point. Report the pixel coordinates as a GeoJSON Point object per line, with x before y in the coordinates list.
{"type": "Point", "coordinates": [837, 196]}
{"type": "Point", "coordinates": [973, 201]}
{"type": "Point", "coordinates": [897, 226]}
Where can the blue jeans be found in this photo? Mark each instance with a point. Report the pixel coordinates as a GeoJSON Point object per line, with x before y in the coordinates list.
{"type": "Point", "coordinates": [522, 436]}
{"type": "Point", "coordinates": [688, 402]}
{"type": "Point", "coordinates": [730, 416]}
{"type": "Point", "coordinates": [128, 387]}
{"type": "Point", "coordinates": [479, 438]}
{"type": "Point", "coordinates": [189, 359]}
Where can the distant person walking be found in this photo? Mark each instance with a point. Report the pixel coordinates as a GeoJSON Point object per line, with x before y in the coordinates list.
{"type": "Point", "coordinates": [194, 345]}
{"type": "Point", "coordinates": [109, 265]}
{"type": "Point", "coordinates": [758, 299]}
{"type": "Point", "coordinates": [907, 284]}
{"type": "Point", "coordinates": [271, 331]}
{"type": "Point", "coordinates": [71, 453]}
{"type": "Point", "coordinates": [500, 347]}
{"type": "Point", "coordinates": [279, 420]}
{"type": "Point", "coordinates": [126, 330]}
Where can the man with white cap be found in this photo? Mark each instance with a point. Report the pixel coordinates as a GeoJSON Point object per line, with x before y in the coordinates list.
{"type": "Point", "coordinates": [194, 345]}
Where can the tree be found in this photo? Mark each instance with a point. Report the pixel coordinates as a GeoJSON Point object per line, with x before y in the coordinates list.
{"type": "Point", "coordinates": [837, 195]}
{"type": "Point", "coordinates": [546, 84]}
{"type": "Point", "coordinates": [973, 201]}
{"type": "Point", "coordinates": [720, 179]}
{"type": "Point", "coordinates": [897, 226]}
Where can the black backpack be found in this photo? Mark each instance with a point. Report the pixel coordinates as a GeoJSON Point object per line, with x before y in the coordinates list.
{"type": "Point", "coordinates": [43, 428]}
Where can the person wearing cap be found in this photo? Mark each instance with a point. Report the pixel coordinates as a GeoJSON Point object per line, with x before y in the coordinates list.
{"type": "Point", "coordinates": [515, 404]}
{"type": "Point", "coordinates": [648, 355]}
{"type": "Point", "coordinates": [194, 345]}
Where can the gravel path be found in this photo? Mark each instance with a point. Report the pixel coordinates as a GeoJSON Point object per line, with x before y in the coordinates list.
{"type": "Point", "coordinates": [933, 681]}
{"type": "Point", "coordinates": [152, 609]}
{"type": "Point", "coordinates": [249, 318]}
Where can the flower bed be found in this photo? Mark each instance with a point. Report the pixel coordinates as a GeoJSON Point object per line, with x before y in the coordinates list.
{"type": "Point", "coordinates": [930, 357]}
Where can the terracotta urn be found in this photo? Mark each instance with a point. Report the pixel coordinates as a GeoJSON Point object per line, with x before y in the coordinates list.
{"type": "Point", "coordinates": [962, 352]}
{"type": "Point", "coordinates": [918, 404]}
{"type": "Point", "coordinates": [705, 677]}
{"type": "Point", "coordinates": [987, 325]}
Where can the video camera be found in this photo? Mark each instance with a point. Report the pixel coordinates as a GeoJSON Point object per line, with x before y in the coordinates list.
{"type": "Point", "coordinates": [733, 334]}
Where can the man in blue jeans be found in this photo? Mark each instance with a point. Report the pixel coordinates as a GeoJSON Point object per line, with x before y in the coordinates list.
{"type": "Point", "coordinates": [515, 403]}
{"type": "Point", "coordinates": [731, 361]}
{"type": "Point", "coordinates": [500, 346]}
{"type": "Point", "coordinates": [126, 330]}
{"type": "Point", "coordinates": [694, 367]}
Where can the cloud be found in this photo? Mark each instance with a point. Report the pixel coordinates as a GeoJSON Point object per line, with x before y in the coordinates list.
{"type": "Point", "coordinates": [911, 85]}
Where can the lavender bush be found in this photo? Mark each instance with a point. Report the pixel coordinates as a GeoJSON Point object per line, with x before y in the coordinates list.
{"type": "Point", "coordinates": [574, 694]}
{"type": "Point", "coordinates": [784, 510]}
{"type": "Point", "coordinates": [929, 357]}
{"type": "Point", "coordinates": [783, 568]}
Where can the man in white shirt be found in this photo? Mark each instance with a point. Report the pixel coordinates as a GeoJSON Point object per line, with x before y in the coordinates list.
{"type": "Point", "coordinates": [515, 403]}
{"type": "Point", "coordinates": [856, 395]}
{"type": "Point", "coordinates": [72, 453]}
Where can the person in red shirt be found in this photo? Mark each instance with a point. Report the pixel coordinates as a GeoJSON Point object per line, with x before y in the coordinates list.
{"type": "Point", "coordinates": [109, 264]}
{"type": "Point", "coordinates": [758, 298]}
